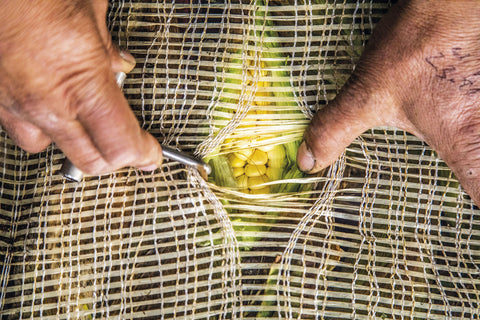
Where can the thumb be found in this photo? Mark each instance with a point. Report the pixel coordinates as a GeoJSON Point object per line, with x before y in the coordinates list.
{"type": "Point", "coordinates": [355, 110]}
{"type": "Point", "coordinates": [121, 60]}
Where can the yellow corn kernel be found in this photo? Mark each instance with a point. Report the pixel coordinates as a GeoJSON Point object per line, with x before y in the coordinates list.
{"type": "Point", "coordinates": [263, 190]}
{"type": "Point", "coordinates": [255, 171]}
{"type": "Point", "coordinates": [258, 158]}
{"type": "Point", "coordinates": [242, 182]}
{"type": "Point", "coordinates": [242, 142]}
{"type": "Point", "coordinates": [274, 173]}
{"type": "Point", "coordinates": [266, 148]}
{"type": "Point", "coordinates": [255, 182]}
{"type": "Point", "coordinates": [238, 171]}
{"type": "Point", "coordinates": [244, 154]}
{"type": "Point", "coordinates": [276, 156]}
{"type": "Point", "coordinates": [236, 162]}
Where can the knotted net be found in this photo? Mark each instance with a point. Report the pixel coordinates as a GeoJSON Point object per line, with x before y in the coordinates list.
{"type": "Point", "coordinates": [385, 232]}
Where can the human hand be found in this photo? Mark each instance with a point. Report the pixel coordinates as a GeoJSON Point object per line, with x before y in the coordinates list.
{"type": "Point", "coordinates": [420, 72]}
{"type": "Point", "coordinates": [57, 83]}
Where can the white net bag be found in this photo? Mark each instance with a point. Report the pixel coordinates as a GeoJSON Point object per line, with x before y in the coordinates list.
{"type": "Point", "coordinates": [385, 232]}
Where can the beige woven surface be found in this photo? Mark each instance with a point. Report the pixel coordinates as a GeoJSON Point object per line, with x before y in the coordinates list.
{"type": "Point", "coordinates": [386, 232]}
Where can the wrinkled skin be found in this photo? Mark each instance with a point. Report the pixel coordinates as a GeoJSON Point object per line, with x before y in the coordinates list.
{"type": "Point", "coordinates": [57, 83]}
{"type": "Point", "coordinates": [420, 72]}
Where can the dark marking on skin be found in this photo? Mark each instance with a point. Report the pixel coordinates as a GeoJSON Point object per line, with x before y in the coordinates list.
{"type": "Point", "coordinates": [442, 74]}
{"type": "Point", "coordinates": [473, 91]}
{"type": "Point", "coordinates": [456, 53]}
{"type": "Point", "coordinates": [469, 84]}
{"type": "Point", "coordinates": [431, 58]}
{"type": "Point", "coordinates": [465, 82]}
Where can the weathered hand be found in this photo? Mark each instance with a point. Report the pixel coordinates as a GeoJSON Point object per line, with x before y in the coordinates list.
{"type": "Point", "coordinates": [420, 72]}
{"type": "Point", "coordinates": [57, 83]}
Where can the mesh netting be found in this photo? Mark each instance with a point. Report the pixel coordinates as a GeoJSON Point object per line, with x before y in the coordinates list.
{"type": "Point", "coordinates": [385, 232]}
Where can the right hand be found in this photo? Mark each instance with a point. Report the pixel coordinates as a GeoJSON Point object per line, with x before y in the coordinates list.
{"type": "Point", "coordinates": [420, 72]}
{"type": "Point", "coordinates": [57, 83]}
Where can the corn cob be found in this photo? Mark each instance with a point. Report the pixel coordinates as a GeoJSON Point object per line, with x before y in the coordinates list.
{"type": "Point", "coordinates": [252, 157]}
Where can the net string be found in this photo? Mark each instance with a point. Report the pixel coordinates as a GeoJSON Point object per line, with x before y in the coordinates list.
{"type": "Point", "coordinates": [388, 231]}
{"type": "Point", "coordinates": [319, 210]}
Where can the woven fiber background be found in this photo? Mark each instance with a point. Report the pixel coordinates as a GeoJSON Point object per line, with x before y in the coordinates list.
{"type": "Point", "coordinates": [385, 232]}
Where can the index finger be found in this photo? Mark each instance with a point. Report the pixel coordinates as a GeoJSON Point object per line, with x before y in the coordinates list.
{"type": "Point", "coordinates": [114, 130]}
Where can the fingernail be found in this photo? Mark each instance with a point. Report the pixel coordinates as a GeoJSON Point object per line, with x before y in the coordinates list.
{"type": "Point", "coordinates": [305, 159]}
{"type": "Point", "coordinates": [149, 168]}
{"type": "Point", "coordinates": [128, 58]}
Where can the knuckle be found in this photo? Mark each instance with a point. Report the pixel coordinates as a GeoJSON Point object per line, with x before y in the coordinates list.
{"type": "Point", "coordinates": [122, 156]}
{"type": "Point", "coordinates": [81, 90]}
{"type": "Point", "coordinates": [130, 148]}
{"type": "Point", "coordinates": [92, 165]}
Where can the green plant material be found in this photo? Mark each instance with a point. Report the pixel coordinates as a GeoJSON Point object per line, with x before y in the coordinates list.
{"type": "Point", "coordinates": [259, 156]}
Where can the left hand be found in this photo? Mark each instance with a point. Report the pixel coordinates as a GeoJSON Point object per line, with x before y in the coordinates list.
{"type": "Point", "coordinates": [57, 83]}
